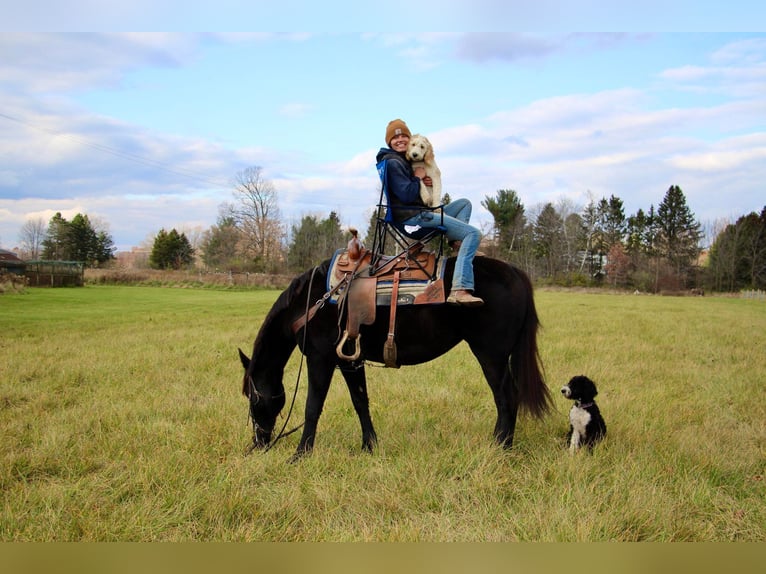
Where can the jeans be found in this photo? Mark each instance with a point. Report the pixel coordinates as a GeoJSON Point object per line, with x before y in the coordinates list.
{"type": "Point", "coordinates": [456, 216]}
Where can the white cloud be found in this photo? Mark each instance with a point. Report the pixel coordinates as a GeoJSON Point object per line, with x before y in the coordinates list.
{"type": "Point", "coordinates": [626, 141]}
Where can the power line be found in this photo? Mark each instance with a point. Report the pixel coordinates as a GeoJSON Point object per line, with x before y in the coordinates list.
{"type": "Point", "coordinates": [122, 154]}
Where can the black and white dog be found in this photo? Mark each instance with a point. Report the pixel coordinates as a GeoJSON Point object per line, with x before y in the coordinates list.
{"type": "Point", "coordinates": [586, 425]}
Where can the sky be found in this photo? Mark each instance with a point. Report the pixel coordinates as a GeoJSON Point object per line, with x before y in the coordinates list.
{"type": "Point", "coordinates": [147, 130]}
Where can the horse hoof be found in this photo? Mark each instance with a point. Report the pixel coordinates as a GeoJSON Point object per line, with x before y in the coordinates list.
{"type": "Point", "coordinates": [297, 456]}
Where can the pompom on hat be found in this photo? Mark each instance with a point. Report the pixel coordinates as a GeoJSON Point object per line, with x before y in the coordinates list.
{"type": "Point", "coordinates": [396, 127]}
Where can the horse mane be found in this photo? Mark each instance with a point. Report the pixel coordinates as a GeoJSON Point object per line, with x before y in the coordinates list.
{"type": "Point", "coordinates": [287, 297]}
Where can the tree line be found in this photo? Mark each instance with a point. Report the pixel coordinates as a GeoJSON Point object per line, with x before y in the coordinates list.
{"type": "Point", "coordinates": [656, 249]}
{"type": "Point", "coordinates": [61, 240]}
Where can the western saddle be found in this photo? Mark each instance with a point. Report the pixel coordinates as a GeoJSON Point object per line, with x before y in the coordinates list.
{"type": "Point", "coordinates": [403, 267]}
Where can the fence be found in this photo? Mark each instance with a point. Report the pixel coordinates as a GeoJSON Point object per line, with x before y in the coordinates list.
{"type": "Point", "coordinates": [55, 273]}
{"type": "Point", "coordinates": [753, 294]}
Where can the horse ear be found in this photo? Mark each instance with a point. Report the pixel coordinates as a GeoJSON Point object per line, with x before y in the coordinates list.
{"type": "Point", "coordinates": [244, 359]}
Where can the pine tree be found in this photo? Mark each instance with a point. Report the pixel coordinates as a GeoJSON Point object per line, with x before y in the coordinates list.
{"type": "Point", "coordinates": [219, 244]}
{"type": "Point", "coordinates": [56, 243]}
{"type": "Point", "coordinates": [171, 251]}
{"type": "Point", "coordinates": [612, 223]}
{"type": "Point", "coordinates": [508, 212]}
{"type": "Point", "coordinates": [314, 240]}
{"type": "Point", "coordinates": [548, 239]}
{"type": "Point", "coordinates": [738, 255]}
{"type": "Point", "coordinates": [679, 233]}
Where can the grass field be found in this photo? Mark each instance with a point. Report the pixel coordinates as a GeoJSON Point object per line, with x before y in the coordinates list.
{"type": "Point", "coordinates": [122, 420]}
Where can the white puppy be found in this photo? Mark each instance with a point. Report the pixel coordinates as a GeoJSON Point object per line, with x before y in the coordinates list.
{"type": "Point", "coordinates": [420, 153]}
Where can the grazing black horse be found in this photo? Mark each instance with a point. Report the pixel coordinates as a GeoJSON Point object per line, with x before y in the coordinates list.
{"type": "Point", "coordinates": [502, 334]}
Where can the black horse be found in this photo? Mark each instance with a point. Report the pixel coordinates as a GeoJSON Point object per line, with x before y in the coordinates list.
{"type": "Point", "coordinates": [502, 334]}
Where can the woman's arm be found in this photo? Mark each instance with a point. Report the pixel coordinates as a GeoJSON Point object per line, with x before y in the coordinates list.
{"type": "Point", "coordinates": [404, 187]}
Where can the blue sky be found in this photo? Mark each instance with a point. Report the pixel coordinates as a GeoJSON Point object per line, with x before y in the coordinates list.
{"type": "Point", "coordinates": [147, 130]}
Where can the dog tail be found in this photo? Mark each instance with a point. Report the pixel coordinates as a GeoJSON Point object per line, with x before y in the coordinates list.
{"type": "Point", "coordinates": [526, 368]}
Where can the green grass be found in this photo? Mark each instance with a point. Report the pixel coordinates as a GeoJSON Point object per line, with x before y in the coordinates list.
{"type": "Point", "coordinates": [122, 419]}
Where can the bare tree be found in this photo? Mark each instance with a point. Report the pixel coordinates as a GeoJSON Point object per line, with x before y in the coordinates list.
{"type": "Point", "coordinates": [31, 237]}
{"type": "Point", "coordinates": [257, 216]}
{"type": "Point", "coordinates": [572, 229]}
{"type": "Point", "coordinates": [589, 219]}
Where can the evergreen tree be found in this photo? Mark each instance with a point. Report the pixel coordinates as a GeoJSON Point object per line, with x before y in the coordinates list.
{"type": "Point", "coordinates": [612, 222]}
{"type": "Point", "coordinates": [548, 240]}
{"type": "Point", "coordinates": [679, 233]}
{"type": "Point", "coordinates": [636, 232]}
{"type": "Point", "coordinates": [219, 244]}
{"type": "Point", "coordinates": [754, 252]}
{"type": "Point", "coordinates": [56, 243]}
{"type": "Point", "coordinates": [171, 251]}
{"type": "Point", "coordinates": [314, 240]}
{"type": "Point", "coordinates": [104, 247]}
{"type": "Point", "coordinates": [83, 240]}
{"type": "Point", "coordinates": [76, 240]}
{"type": "Point", "coordinates": [737, 258]}
{"type": "Point", "coordinates": [369, 237]}
{"type": "Point", "coordinates": [508, 212]}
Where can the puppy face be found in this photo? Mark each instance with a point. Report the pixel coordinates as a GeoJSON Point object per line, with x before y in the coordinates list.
{"type": "Point", "coordinates": [580, 388]}
{"type": "Point", "coordinates": [419, 148]}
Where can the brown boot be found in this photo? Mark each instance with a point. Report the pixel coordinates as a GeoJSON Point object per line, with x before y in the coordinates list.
{"type": "Point", "coordinates": [464, 298]}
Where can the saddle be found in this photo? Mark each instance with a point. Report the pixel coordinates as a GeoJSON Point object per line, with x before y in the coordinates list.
{"type": "Point", "coordinates": [410, 278]}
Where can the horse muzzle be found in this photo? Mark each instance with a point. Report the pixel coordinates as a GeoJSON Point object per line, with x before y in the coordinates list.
{"type": "Point", "coordinates": [261, 439]}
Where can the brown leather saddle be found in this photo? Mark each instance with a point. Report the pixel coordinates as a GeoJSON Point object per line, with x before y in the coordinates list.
{"type": "Point", "coordinates": [414, 277]}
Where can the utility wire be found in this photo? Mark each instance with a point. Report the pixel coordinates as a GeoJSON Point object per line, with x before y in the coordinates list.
{"type": "Point", "coordinates": [122, 154]}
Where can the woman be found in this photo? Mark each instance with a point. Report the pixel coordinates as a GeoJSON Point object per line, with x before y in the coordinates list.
{"type": "Point", "coordinates": [403, 190]}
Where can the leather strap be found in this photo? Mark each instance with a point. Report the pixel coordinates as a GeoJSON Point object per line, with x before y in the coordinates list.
{"type": "Point", "coordinates": [389, 349]}
{"type": "Point", "coordinates": [306, 317]}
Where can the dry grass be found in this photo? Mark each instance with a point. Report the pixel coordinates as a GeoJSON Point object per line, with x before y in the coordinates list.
{"type": "Point", "coordinates": [122, 420]}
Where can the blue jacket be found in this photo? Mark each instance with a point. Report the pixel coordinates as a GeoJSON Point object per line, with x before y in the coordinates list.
{"type": "Point", "coordinates": [402, 187]}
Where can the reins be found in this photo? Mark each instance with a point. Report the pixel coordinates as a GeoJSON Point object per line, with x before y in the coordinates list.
{"type": "Point", "coordinates": [301, 322]}
{"type": "Point", "coordinates": [282, 432]}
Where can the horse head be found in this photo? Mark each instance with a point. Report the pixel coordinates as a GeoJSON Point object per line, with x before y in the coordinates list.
{"type": "Point", "coordinates": [267, 398]}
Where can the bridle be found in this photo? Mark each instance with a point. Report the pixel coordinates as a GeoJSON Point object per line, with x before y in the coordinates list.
{"type": "Point", "coordinates": [258, 396]}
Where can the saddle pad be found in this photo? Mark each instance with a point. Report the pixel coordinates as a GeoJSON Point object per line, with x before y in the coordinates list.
{"type": "Point", "coordinates": [426, 291]}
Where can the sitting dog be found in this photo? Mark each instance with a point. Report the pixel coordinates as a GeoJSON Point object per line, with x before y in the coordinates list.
{"type": "Point", "coordinates": [586, 425]}
{"type": "Point", "coordinates": [420, 153]}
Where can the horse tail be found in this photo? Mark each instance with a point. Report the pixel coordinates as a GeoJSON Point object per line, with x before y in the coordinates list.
{"type": "Point", "coordinates": [526, 366]}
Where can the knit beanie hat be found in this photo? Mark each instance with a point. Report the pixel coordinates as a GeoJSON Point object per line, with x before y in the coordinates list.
{"type": "Point", "coordinates": [396, 127]}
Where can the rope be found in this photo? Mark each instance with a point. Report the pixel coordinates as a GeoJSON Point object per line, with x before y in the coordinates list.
{"type": "Point", "coordinates": [282, 432]}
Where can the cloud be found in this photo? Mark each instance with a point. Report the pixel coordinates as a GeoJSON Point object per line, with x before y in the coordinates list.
{"type": "Point", "coordinates": [52, 155]}
{"type": "Point", "coordinates": [45, 63]}
{"type": "Point", "coordinates": [482, 47]}
{"type": "Point", "coordinates": [59, 156]}
{"type": "Point", "coordinates": [743, 52]}
{"type": "Point", "coordinates": [728, 155]}
{"type": "Point", "coordinates": [516, 47]}
{"type": "Point", "coordinates": [737, 69]}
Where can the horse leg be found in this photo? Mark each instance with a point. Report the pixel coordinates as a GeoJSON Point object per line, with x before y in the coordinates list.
{"type": "Point", "coordinates": [357, 386]}
{"type": "Point", "coordinates": [499, 378]}
{"type": "Point", "coordinates": [504, 435]}
{"type": "Point", "coordinates": [320, 373]}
